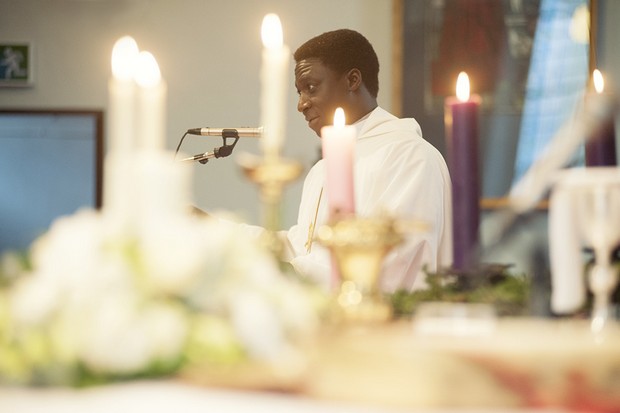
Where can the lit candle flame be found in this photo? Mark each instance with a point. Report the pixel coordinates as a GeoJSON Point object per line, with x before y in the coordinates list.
{"type": "Point", "coordinates": [339, 120]}
{"type": "Point", "coordinates": [462, 87]}
{"type": "Point", "coordinates": [147, 71]}
{"type": "Point", "coordinates": [124, 54]}
{"type": "Point", "coordinates": [599, 82]}
{"type": "Point", "coordinates": [271, 32]}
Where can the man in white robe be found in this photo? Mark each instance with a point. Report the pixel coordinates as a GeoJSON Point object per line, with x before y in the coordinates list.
{"type": "Point", "coordinates": [396, 171]}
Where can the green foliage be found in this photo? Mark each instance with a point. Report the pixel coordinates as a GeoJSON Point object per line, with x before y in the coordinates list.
{"type": "Point", "coordinates": [489, 284]}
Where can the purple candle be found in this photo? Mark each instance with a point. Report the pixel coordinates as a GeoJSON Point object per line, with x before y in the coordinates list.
{"type": "Point", "coordinates": [461, 122]}
{"type": "Point", "coordinates": [601, 146]}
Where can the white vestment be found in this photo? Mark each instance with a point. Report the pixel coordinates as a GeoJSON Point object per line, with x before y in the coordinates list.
{"type": "Point", "coordinates": [398, 172]}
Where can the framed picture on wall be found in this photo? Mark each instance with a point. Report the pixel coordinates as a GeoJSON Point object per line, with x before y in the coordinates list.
{"type": "Point", "coordinates": [16, 64]}
{"type": "Point", "coordinates": [490, 40]}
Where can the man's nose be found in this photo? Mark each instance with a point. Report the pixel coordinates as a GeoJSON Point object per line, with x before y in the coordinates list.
{"type": "Point", "coordinates": [302, 103]}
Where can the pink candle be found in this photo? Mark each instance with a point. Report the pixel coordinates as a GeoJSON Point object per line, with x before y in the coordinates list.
{"type": "Point", "coordinates": [338, 142]}
{"type": "Point", "coordinates": [601, 146]}
{"type": "Point", "coordinates": [461, 122]}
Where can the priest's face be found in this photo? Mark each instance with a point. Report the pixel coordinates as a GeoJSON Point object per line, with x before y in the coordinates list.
{"type": "Point", "coordinates": [321, 91]}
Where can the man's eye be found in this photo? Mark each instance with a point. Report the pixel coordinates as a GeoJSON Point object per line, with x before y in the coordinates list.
{"type": "Point", "coordinates": [307, 89]}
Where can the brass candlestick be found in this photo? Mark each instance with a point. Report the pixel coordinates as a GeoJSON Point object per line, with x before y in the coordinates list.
{"type": "Point", "coordinates": [359, 246]}
{"type": "Point", "coordinates": [271, 173]}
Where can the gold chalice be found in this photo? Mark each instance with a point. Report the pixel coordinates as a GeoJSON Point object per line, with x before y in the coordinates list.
{"type": "Point", "coordinates": [359, 246]}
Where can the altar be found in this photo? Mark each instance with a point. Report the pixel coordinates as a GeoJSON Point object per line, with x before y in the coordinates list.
{"type": "Point", "coordinates": [464, 365]}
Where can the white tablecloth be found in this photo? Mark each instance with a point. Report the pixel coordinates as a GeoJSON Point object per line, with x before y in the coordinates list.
{"type": "Point", "coordinates": [176, 397]}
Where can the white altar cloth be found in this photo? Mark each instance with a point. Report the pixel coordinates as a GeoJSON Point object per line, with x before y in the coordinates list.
{"type": "Point", "coordinates": [173, 397]}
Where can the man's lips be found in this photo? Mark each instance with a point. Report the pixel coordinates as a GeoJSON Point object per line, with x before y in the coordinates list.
{"type": "Point", "coordinates": [311, 119]}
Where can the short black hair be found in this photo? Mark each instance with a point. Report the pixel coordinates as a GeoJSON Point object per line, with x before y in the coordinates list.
{"type": "Point", "coordinates": [342, 50]}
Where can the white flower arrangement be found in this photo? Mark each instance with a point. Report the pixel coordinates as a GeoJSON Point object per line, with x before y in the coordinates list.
{"type": "Point", "coordinates": [94, 303]}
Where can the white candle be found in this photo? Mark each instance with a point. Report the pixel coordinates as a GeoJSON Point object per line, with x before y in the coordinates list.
{"type": "Point", "coordinates": [121, 90]}
{"type": "Point", "coordinates": [274, 79]}
{"type": "Point", "coordinates": [338, 144]}
{"type": "Point", "coordinates": [118, 182]}
{"type": "Point", "coordinates": [151, 104]}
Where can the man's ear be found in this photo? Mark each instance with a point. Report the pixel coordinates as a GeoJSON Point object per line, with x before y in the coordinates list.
{"type": "Point", "coordinates": [354, 79]}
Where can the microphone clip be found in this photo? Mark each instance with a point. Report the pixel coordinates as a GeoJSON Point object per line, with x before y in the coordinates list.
{"type": "Point", "coordinates": [226, 149]}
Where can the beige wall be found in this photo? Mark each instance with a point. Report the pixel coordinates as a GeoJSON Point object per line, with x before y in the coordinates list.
{"type": "Point", "coordinates": [209, 54]}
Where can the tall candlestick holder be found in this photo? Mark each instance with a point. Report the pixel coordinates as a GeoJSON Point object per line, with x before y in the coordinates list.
{"type": "Point", "coordinates": [271, 173]}
{"type": "Point", "coordinates": [360, 246]}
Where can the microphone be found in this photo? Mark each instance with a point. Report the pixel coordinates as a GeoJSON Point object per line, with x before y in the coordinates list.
{"type": "Point", "coordinates": [220, 152]}
{"type": "Point", "coordinates": [202, 157]}
{"type": "Point", "coordinates": [228, 132]}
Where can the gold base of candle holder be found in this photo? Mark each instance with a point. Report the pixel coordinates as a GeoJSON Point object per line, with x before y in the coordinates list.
{"type": "Point", "coordinates": [359, 246]}
{"type": "Point", "coordinates": [271, 174]}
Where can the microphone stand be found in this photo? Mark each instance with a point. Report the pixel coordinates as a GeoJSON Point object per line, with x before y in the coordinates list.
{"type": "Point", "coordinates": [221, 152]}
